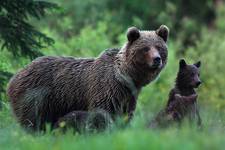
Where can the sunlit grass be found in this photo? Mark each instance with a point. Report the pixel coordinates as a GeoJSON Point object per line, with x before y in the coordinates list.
{"type": "Point", "coordinates": [135, 136]}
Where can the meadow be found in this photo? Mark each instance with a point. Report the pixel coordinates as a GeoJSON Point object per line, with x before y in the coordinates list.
{"type": "Point", "coordinates": [79, 34]}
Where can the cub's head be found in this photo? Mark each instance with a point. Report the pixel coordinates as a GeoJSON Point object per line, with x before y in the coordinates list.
{"type": "Point", "coordinates": [146, 49]}
{"type": "Point", "coordinates": [188, 75]}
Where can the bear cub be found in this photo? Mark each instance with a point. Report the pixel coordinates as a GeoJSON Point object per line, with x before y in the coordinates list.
{"type": "Point", "coordinates": [182, 98]}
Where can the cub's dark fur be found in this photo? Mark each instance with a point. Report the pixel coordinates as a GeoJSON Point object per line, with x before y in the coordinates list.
{"type": "Point", "coordinates": [182, 98]}
{"type": "Point", "coordinates": [52, 87]}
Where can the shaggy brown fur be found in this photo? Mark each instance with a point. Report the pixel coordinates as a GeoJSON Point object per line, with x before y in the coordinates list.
{"type": "Point", "coordinates": [182, 98]}
{"type": "Point", "coordinates": [51, 87]}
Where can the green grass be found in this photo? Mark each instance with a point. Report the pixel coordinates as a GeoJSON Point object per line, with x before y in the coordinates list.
{"type": "Point", "coordinates": [136, 136]}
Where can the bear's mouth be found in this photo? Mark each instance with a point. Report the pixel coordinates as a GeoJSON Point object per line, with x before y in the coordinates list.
{"type": "Point", "coordinates": [156, 66]}
{"type": "Point", "coordinates": [196, 86]}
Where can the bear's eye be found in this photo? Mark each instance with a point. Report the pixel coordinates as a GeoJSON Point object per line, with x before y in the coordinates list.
{"type": "Point", "coordinates": [159, 47]}
{"type": "Point", "coordinates": [145, 49]}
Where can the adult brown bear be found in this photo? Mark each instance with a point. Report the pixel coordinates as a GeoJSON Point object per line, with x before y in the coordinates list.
{"type": "Point", "coordinates": [51, 87]}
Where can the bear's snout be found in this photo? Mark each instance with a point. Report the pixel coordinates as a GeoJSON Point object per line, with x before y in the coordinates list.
{"type": "Point", "coordinates": [157, 61]}
{"type": "Point", "coordinates": [154, 59]}
{"type": "Point", "coordinates": [198, 83]}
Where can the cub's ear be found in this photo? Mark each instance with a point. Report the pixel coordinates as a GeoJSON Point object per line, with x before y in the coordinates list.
{"type": "Point", "coordinates": [182, 63]}
{"type": "Point", "coordinates": [133, 34]}
{"type": "Point", "coordinates": [163, 32]}
{"type": "Point", "coordinates": [198, 64]}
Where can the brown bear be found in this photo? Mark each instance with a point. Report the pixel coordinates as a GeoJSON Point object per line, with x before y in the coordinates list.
{"type": "Point", "coordinates": [182, 98]}
{"type": "Point", "coordinates": [51, 87]}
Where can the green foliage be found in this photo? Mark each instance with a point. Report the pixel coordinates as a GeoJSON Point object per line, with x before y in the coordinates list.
{"type": "Point", "coordinates": [220, 21]}
{"type": "Point", "coordinates": [5, 75]}
{"type": "Point", "coordinates": [19, 37]}
{"type": "Point", "coordinates": [84, 28]}
{"type": "Point", "coordinates": [16, 34]}
{"type": "Point", "coordinates": [4, 78]}
{"type": "Point", "coordinates": [96, 38]}
{"type": "Point", "coordinates": [210, 50]}
{"type": "Point", "coordinates": [119, 15]}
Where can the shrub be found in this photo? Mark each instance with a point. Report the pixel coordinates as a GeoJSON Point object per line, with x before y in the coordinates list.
{"type": "Point", "coordinates": [210, 50]}
{"type": "Point", "coordinates": [89, 42]}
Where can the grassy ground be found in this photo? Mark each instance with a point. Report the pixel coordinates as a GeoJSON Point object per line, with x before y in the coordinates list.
{"type": "Point", "coordinates": [136, 136]}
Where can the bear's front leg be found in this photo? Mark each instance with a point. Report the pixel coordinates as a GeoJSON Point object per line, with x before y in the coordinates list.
{"type": "Point", "coordinates": [131, 108]}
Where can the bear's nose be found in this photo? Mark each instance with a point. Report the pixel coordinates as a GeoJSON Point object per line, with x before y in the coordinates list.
{"type": "Point", "coordinates": [198, 83]}
{"type": "Point", "coordinates": [157, 60]}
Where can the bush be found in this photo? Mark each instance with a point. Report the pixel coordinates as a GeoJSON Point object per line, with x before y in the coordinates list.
{"type": "Point", "coordinates": [210, 50]}
{"type": "Point", "coordinates": [4, 77]}
{"type": "Point", "coordinates": [89, 42]}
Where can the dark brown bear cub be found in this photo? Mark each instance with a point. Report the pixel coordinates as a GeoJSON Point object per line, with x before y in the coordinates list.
{"type": "Point", "coordinates": [182, 98]}
{"type": "Point", "coordinates": [52, 87]}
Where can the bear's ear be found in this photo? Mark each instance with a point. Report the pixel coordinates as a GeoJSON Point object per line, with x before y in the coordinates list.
{"type": "Point", "coordinates": [133, 34]}
{"type": "Point", "coordinates": [198, 64]}
{"type": "Point", "coordinates": [182, 63]}
{"type": "Point", "coordinates": [163, 32]}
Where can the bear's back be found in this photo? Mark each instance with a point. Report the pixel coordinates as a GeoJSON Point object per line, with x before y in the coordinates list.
{"type": "Point", "coordinates": [48, 88]}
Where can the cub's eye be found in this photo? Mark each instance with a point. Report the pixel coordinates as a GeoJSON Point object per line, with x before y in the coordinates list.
{"type": "Point", "coordinates": [145, 49]}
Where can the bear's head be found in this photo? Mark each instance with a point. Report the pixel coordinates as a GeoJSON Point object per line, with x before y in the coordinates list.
{"type": "Point", "coordinates": [188, 75]}
{"type": "Point", "coordinates": [146, 52]}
